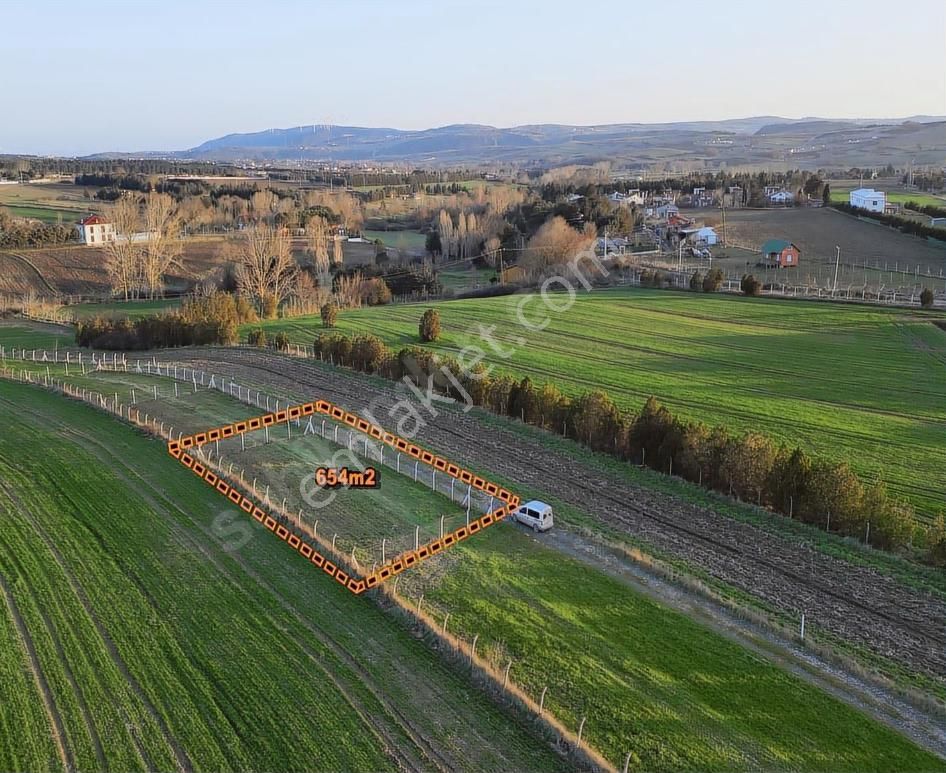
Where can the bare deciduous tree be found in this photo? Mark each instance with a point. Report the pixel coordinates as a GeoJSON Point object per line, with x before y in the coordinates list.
{"type": "Point", "coordinates": [316, 236]}
{"type": "Point", "coordinates": [350, 290]}
{"type": "Point", "coordinates": [448, 234]}
{"type": "Point", "coordinates": [263, 204]}
{"type": "Point", "coordinates": [161, 248]}
{"type": "Point", "coordinates": [266, 268]}
{"type": "Point", "coordinates": [555, 243]}
{"type": "Point", "coordinates": [123, 253]}
{"type": "Point", "coordinates": [338, 251]}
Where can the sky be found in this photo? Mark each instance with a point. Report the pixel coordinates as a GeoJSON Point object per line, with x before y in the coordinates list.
{"type": "Point", "coordinates": [79, 78]}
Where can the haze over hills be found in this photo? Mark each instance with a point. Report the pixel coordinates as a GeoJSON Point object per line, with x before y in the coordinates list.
{"type": "Point", "coordinates": [745, 141]}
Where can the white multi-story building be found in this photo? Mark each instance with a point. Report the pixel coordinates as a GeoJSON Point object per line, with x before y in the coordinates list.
{"type": "Point", "coordinates": [869, 199]}
{"type": "Point", "coordinates": [95, 229]}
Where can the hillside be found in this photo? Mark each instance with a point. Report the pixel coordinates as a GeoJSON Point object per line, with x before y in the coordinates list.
{"type": "Point", "coordinates": [747, 140]}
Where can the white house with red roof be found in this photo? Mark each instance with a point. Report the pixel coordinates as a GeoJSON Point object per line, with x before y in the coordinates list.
{"type": "Point", "coordinates": [95, 229]}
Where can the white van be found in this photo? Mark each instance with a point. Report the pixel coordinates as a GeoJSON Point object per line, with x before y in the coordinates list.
{"type": "Point", "coordinates": [536, 514]}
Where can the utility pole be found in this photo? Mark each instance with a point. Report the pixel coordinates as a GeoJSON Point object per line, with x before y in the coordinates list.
{"type": "Point", "coordinates": [837, 265]}
{"type": "Point", "coordinates": [723, 210]}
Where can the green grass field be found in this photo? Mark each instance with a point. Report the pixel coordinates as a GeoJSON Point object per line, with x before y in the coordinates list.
{"type": "Point", "coordinates": [650, 681]}
{"type": "Point", "coordinates": [158, 637]}
{"type": "Point", "coordinates": [47, 214]}
{"type": "Point", "coordinates": [132, 309]}
{"type": "Point", "coordinates": [29, 336]}
{"type": "Point", "coordinates": [48, 202]}
{"type": "Point", "coordinates": [859, 384]}
{"type": "Point", "coordinates": [893, 197]}
{"type": "Point", "coordinates": [408, 240]}
{"type": "Point", "coordinates": [463, 279]}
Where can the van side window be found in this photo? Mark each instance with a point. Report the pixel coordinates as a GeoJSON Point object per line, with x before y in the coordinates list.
{"type": "Point", "coordinates": [533, 514]}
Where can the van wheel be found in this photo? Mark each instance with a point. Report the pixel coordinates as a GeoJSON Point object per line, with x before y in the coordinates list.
{"type": "Point", "coordinates": [535, 528]}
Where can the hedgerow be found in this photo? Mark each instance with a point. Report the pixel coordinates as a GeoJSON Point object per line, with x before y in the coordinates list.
{"type": "Point", "coordinates": [752, 467]}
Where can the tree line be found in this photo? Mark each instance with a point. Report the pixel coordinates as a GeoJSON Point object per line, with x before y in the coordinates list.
{"type": "Point", "coordinates": [750, 466]}
{"type": "Point", "coordinates": [213, 319]}
{"type": "Point", "coordinates": [926, 209]}
{"type": "Point", "coordinates": [16, 234]}
{"type": "Point", "coordinates": [902, 224]}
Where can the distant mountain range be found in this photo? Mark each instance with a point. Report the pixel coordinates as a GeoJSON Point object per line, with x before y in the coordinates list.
{"type": "Point", "coordinates": [757, 140]}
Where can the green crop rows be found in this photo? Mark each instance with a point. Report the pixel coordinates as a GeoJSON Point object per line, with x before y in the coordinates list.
{"type": "Point", "coordinates": [858, 384]}
{"type": "Point", "coordinates": [650, 681]}
{"type": "Point", "coordinates": [152, 635]}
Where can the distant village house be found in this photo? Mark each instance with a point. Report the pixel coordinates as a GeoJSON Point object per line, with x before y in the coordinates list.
{"type": "Point", "coordinates": [632, 197]}
{"type": "Point", "coordinates": [778, 253]}
{"type": "Point", "coordinates": [95, 229]}
{"type": "Point", "coordinates": [869, 199]}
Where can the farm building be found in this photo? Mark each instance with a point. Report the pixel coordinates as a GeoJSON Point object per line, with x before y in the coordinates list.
{"type": "Point", "coordinates": [778, 253]}
{"type": "Point", "coordinates": [95, 229]}
{"type": "Point", "coordinates": [869, 199]}
{"type": "Point", "coordinates": [704, 236]}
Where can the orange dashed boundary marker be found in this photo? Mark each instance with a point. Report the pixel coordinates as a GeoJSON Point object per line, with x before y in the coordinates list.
{"type": "Point", "coordinates": [301, 543]}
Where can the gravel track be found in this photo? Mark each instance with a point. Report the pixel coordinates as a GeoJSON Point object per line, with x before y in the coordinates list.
{"type": "Point", "coordinates": [859, 604]}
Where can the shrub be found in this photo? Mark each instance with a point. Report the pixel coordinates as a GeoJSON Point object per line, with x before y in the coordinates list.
{"type": "Point", "coordinates": [270, 307]}
{"type": "Point", "coordinates": [713, 281]}
{"type": "Point", "coordinates": [750, 285]}
{"type": "Point", "coordinates": [376, 292]}
{"type": "Point", "coordinates": [245, 311]}
{"type": "Point", "coordinates": [926, 298]}
{"type": "Point", "coordinates": [523, 403]}
{"type": "Point", "coordinates": [696, 281]}
{"type": "Point", "coordinates": [281, 341]}
{"type": "Point", "coordinates": [596, 421]}
{"type": "Point", "coordinates": [257, 337]}
{"type": "Point", "coordinates": [329, 314]}
{"type": "Point", "coordinates": [368, 353]}
{"type": "Point", "coordinates": [429, 328]}
{"type": "Point", "coordinates": [936, 538]}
